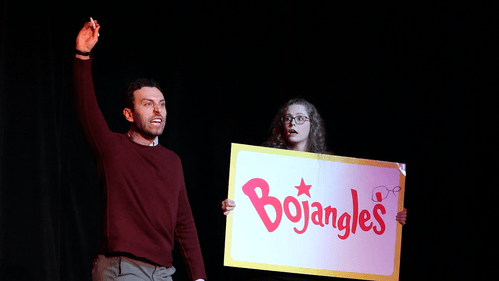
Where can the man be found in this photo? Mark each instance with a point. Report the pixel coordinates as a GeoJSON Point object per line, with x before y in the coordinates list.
{"type": "Point", "coordinates": [145, 205]}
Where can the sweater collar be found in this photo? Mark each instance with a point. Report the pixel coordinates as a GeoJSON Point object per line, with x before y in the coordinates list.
{"type": "Point", "coordinates": [155, 142]}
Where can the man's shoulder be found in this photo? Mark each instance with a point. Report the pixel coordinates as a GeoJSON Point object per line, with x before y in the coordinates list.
{"type": "Point", "coordinates": [167, 152]}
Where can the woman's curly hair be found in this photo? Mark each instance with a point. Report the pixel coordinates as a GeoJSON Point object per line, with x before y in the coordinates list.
{"type": "Point", "coordinates": [317, 137]}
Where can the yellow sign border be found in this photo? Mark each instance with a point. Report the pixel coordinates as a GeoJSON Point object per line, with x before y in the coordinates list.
{"type": "Point", "coordinates": [228, 261]}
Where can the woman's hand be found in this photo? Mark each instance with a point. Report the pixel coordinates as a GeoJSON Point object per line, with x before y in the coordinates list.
{"type": "Point", "coordinates": [227, 206]}
{"type": "Point", "coordinates": [402, 216]}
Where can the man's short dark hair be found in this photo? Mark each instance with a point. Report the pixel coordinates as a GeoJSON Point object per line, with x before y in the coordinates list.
{"type": "Point", "coordinates": [128, 97]}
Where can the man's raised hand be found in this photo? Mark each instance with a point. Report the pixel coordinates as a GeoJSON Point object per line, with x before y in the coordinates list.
{"type": "Point", "coordinates": [88, 36]}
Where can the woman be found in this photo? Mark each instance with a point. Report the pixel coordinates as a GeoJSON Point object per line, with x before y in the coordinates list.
{"type": "Point", "coordinates": [298, 126]}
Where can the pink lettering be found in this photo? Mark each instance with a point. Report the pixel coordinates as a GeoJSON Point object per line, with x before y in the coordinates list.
{"type": "Point", "coordinates": [379, 219]}
{"type": "Point", "coordinates": [346, 223]}
{"type": "Point", "coordinates": [295, 202]}
{"type": "Point", "coordinates": [259, 203]}
{"type": "Point", "coordinates": [317, 214]}
{"type": "Point", "coordinates": [330, 211]}
{"type": "Point", "coordinates": [305, 218]}
{"type": "Point", "coordinates": [355, 199]}
{"type": "Point", "coordinates": [364, 217]}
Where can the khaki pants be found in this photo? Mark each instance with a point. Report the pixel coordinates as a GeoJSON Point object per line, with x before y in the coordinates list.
{"type": "Point", "coordinates": [122, 268]}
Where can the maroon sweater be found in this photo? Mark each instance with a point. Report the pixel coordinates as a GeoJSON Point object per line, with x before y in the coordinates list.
{"type": "Point", "coordinates": [145, 205]}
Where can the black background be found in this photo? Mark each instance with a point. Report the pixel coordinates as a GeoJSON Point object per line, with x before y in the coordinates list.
{"type": "Point", "coordinates": [386, 77]}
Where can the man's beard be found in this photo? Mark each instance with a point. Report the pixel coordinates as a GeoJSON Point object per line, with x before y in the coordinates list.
{"type": "Point", "coordinates": [145, 132]}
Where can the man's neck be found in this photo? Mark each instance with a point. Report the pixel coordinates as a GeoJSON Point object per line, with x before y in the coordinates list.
{"type": "Point", "coordinates": [139, 139]}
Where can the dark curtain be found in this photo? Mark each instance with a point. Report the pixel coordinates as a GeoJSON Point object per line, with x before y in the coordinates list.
{"type": "Point", "coordinates": [384, 75]}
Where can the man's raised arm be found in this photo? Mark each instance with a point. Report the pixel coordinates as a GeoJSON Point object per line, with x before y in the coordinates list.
{"type": "Point", "coordinates": [92, 123]}
{"type": "Point", "coordinates": [86, 39]}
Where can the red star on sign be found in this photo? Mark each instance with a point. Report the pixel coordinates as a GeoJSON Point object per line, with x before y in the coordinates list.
{"type": "Point", "coordinates": [303, 188]}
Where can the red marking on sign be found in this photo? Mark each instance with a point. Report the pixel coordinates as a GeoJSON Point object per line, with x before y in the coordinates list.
{"type": "Point", "coordinates": [378, 196]}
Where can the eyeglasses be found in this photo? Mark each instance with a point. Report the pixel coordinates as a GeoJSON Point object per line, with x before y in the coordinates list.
{"type": "Point", "coordinates": [299, 120]}
{"type": "Point", "coordinates": [381, 192]}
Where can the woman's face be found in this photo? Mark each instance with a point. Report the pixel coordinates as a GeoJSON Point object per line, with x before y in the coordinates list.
{"type": "Point", "coordinates": [296, 135]}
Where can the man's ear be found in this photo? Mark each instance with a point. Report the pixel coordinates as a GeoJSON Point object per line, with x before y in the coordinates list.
{"type": "Point", "coordinates": [127, 112]}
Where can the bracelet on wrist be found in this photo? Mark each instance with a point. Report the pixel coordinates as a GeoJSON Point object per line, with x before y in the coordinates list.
{"type": "Point", "coordinates": [78, 52]}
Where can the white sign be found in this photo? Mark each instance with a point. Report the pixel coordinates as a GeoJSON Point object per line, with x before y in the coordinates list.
{"type": "Point", "coordinates": [314, 214]}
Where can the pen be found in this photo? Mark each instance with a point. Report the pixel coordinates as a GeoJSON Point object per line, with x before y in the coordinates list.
{"type": "Point", "coordinates": [93, 23]}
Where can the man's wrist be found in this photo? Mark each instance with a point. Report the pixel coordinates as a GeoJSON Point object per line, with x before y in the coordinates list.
{"type": "Point", "coordinates": [78, 56]}
{"type": "Point", "coordinates": [83, 53]}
